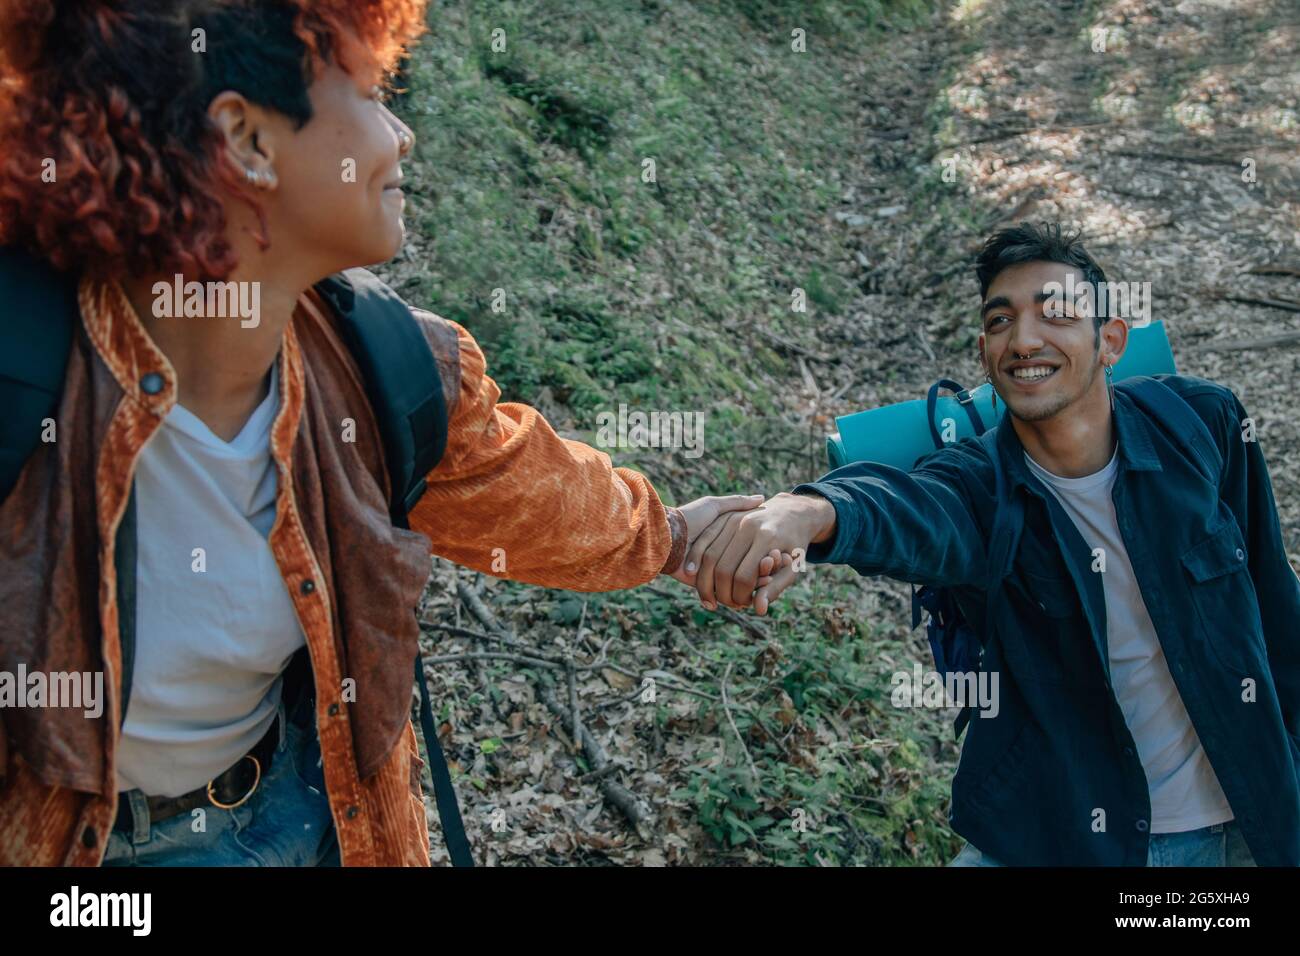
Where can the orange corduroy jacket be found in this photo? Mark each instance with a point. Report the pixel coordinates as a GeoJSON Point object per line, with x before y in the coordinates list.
{"type": "Point", "coordinates": [507, 487]}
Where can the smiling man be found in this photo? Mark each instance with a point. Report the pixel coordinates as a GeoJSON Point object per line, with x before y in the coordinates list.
{"type": "Point", "coordinates": [1143, 620]}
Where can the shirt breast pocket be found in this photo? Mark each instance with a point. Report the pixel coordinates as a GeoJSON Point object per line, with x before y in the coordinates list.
{"type": "Point", "coordinates": [1054, 597]}
{"type": "Point", "coordinates": [1050, 639]}
{"type": "Point", "coordinates": [1223, 598]}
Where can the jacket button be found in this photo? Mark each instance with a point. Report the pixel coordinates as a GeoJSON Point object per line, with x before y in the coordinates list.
{"type": "Point", "coordinates": [308, 586]}
{"type": "Point", "coordinates": [152, 383]}
{"type": "Point", "coordinates": [333, 710]}
{"type": "Point", "coordinates": [1142, 826]}
{"type": "Point", "coordinates": [88, 838]}
{"type": "Point", "coordinates": [352, 812]}
{"type": "Point", "coordinates": [1240, 554]}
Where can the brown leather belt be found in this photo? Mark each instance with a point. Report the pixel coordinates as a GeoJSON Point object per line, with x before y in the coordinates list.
{"type": "Point", "coordinates": [228, 790]}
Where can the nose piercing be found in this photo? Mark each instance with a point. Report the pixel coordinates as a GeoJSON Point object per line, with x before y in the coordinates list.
{"type": "Point", "coordinates": [405, 139]}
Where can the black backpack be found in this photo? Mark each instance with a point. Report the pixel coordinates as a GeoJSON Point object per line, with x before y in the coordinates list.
{"type": "Point", "coordinates": [38, 317]}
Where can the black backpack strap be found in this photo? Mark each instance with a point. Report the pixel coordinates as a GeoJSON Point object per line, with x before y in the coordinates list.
{"type": "Point", "coordinates": [405, 393]}
{"type": "Point", "coordinates": [401, 377]}
{"type": "Point", "coordinates": [38, 313]}
{"type": "Point", "coordinates": [124, 558]}
{"type": "Point", "coordinates": [964, 398]}
{"type": "Point", "coordinates": [444, 795]}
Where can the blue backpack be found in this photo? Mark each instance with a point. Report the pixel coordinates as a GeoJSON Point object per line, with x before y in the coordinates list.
{"type": "Point", "coordinates": [957, 645]}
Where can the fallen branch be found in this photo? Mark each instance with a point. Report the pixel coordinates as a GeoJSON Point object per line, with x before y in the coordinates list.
{"type": "Point", "coordinates": [781, 344]}
{"type": "Point", "coordinates": [1236, 345]}
{"type": "Point", "coordinates": [479, 635]}
{"type": "Point", "coordinates": [1288, 305]}
{"type": "Point", "coordinates": [751, 626]}
{"type": "Point", "coordinates": [726, 707]}
{"type": "Point", "coordinates": [489, 655]}
{"type": "Point", "coordinates": [1010, 132]}
{"type": "Point", "coordinates": [1200, 159]}
{"type": "Point", "coordinates": [614, 792]}
{"type": "Point", "coordinates": [601, 774]}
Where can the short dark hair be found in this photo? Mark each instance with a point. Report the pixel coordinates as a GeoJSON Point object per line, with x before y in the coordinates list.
{"type": "Point", "coordinates": [1027, 242]}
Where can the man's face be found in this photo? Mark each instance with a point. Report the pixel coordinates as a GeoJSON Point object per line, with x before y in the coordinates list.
{"type": "Point", "coordinates": [1039, 350]}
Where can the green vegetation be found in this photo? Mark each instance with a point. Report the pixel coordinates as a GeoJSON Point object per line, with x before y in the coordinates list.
{"type": "Point", "coordinates": [676, 294]}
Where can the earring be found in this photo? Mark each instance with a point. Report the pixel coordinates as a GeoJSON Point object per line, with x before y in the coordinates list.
{"type": "Point", "coordinates": [1110, 387]}
{"type": "Point", "coordinates": [989, 378]}
{"type": "Point", "coordinates": [258, 178]}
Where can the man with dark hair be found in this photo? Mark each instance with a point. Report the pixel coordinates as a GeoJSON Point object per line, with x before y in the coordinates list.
{"type": "Point", "coordinates": [1026, 242]}
{"type": "Point", "coordinates": [1143, 624]}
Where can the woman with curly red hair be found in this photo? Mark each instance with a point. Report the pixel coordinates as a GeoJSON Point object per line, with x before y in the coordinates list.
{"type": "Point", "coordinates": [208, 528]}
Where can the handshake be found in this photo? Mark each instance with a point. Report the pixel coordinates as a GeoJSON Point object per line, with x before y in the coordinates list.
{"type": "Point", "coordinates": [742, 550]}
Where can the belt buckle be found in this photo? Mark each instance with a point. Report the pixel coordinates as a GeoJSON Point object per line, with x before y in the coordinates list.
{"type": "Point", "coordinates": [257, 778]}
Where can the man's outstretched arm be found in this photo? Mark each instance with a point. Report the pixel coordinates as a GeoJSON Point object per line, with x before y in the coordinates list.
{"type": "Point", "coordinates": [916, 526]}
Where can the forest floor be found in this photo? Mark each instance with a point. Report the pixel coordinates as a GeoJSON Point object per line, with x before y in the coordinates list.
{"type": "Point", "coordinates": [865, 171]}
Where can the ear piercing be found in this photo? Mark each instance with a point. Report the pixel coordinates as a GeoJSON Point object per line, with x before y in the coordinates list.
{"type": "Point", "coordinates": [259, 178]}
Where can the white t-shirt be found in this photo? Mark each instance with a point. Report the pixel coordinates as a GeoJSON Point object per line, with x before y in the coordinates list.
{"type": "Point", "coordinates": [1185, 793]}
{"type": "Point", "coordinates": [214, 629]}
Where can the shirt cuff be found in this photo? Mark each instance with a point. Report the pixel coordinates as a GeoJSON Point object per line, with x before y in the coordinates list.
{"type": "Point", "coordinates": [677, 527]}
{"type": "Point", "coordinates": [847, 524]}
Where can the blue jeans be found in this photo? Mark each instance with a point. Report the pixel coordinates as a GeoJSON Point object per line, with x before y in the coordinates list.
{"type": "Point", "coordinates": [1219, 845]}
{"type": "Point", "coordinates": [286, 822]}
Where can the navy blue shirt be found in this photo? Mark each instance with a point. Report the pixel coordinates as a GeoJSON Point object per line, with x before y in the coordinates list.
{"type": "Point", "coordinates": [1054, 778]}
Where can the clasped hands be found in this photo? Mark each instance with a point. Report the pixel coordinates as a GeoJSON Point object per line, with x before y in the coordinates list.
{"type": "Point", "coordinates": [744, 551]}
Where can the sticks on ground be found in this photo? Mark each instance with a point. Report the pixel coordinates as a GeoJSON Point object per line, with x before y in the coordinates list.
{"type": "Point", "coordinates": [614, 792]}
{"type": "Point", "coordinates": [1237, 345]}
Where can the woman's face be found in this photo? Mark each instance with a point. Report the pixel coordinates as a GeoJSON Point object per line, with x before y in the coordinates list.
{"type": "Point", "coordinates": [336, 201]}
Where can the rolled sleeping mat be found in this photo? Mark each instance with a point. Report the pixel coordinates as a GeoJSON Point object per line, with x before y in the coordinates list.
{"type": "Point", "coordinates": [898, 434]}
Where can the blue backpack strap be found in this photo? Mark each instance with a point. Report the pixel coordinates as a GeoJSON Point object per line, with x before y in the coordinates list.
{"type": "Point", "coordinates": [1187, 427]}
{"type": "Point", "coordinates": [964, 398]}
{"type": "Point", "coordinates": [1007, 520]}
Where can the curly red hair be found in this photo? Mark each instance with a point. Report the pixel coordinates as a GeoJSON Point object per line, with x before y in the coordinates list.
{"type": "Point", "coordinates": [109, 91]}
